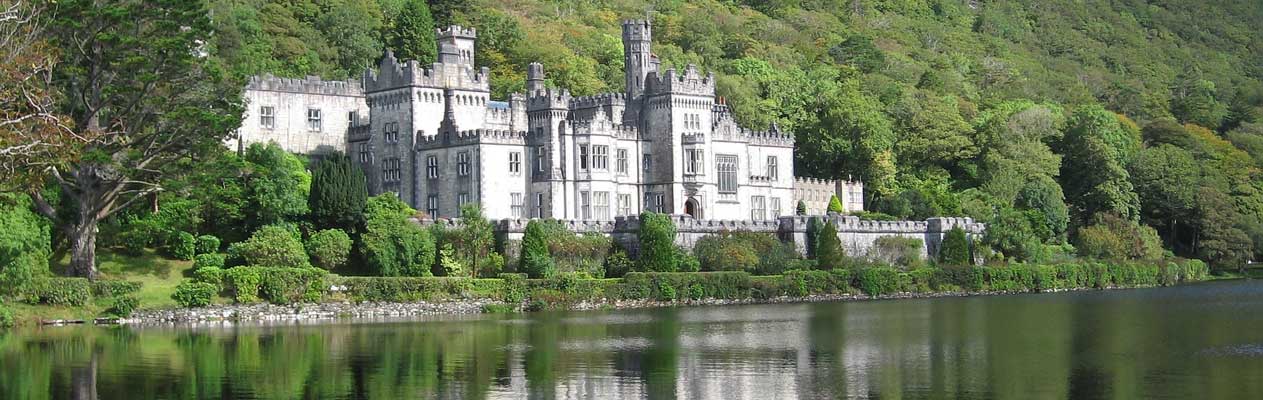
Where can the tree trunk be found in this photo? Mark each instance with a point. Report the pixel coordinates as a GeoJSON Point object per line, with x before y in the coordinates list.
{"type": "Point", "coordinates": [83, 246]}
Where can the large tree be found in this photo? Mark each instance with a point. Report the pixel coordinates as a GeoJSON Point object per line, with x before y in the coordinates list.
{"type": "Point", "coordinates": [412, 37]}
{"type": "Point", "coordinates": [135, 78]}
{"type": "Point", "coordinates": [338, 194]}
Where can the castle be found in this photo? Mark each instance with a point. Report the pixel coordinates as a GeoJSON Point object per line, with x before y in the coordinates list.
{"type": "Point", "coordinates": [433, 135]}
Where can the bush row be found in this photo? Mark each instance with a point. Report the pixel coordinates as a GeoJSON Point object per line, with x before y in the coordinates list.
{"type": "Point", "coordinates": [74, 291]}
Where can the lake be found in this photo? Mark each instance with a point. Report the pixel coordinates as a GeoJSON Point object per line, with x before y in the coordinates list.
{"type": "Point", "coordinates": [1200, 341]}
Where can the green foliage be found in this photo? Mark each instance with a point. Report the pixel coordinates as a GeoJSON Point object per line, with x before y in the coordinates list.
{"type": "Point", "coordinates": [835, 206]}
{"type": "Point", "coordinates": [1017, 234]}
{"type": "Point", "coordinates": [1223, 243]}
{"type": "Point", "coordinates": [339, 193]}
{"type": "Point", "coordinates": [113, 288]}
{"type": "Point", "coordinates": [955, 248]}
{"type": "Point", "coordinates": [6, 317]}
{"type": "Point", "coordinates": [800, 209]}
{"type": "Point", "coordinates": [657, 243]}
{"type": "Point", "coordinates": [211, 275]}
{"type": "Point", "coordinates": [876, 281]}
{"type": "Point", "coordinates": [406, 288]}
{"type": "Point", "coordinates": [58, 291]}
{"type": "Point", "coordinates": [277, 185]}
{"type": "Point", "coordinates": [392, 244]}
{"type": "Point", "coordinates": [123, 306]}
{"type": "Point", "coordinates": [668, 286]}
{"type": "Point", "coordinates": [189, 294]}
{"type": "Point", "coordinates": [806, 283]}
{"type": "Point", "coordinates": [207, 244]}
{"type": "Point", "coordinates": [1097, 147]}
{"type": "Point", "coordinates": [472, 244]}
{"type": "Point", "coordinates": [208, 261]}
{"type": "Point", "coordinates": [898, 250]}
{"type": "Point", "coordinates": [1042, 194]}
{"type": "Point", "coordinates": [273, 246]}
{"type": "Point", "coordinates": [535, 259]}
{"type": "Point", "coordinates": [275, 285]}
{"type": "Point", "coordinates": [412, 33]}
{"type": "Point", "coordinates": [618, 264]}
{"type": "Point", "coordinates": [243, 283]}
{"type": "Point", "coordinates": [1113, 238]}
{"type": "Point", "coordinates": [25, 240]}
{"type": "Point", "coordinates": [183, 246]}
{"type": "Point", "coordinates": [329, 248]}
{"type": "Point", "coordinates": [829, 252]}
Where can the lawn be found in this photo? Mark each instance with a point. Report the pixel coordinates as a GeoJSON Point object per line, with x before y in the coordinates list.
{"type": "Point", "coordinates": [157, 274]}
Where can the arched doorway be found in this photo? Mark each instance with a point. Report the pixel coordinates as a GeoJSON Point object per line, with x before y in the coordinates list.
{"type": "Point", "coordinates": [693, 209]}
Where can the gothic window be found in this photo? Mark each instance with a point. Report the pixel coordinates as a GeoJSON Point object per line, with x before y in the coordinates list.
{"type": "Point", "coordinates": [390, 170]}
{"type": "Point", "coordinates": [624, 204]}
{"type": "Point", "coordinates": [267, 117]}
{"type": "Point", "coordinates": [432, 167]}
{"type": "Point", "coordinates": [647, 162]}
{"type": "Point", "coordinates": [539, 159]}
{"type": "Point", "coordinates": [515, 204]}
{"type": "Point", "coordinates": [515, 163]}
{"type": "Point", "coordinates": [726, 167]}
{"type": "Point", "coordinates": [757, 208]}
{"type": "Point", "coordinates": [365, 155]}
{"type": "Point", "coordinates": [539, 205]}
{"type": "Point", "coordinates": [694, 161]}
{"type": "Point", "coordinates": [462, 163]}
{"type": "Point", "coordinates": [462, 199]}
{"type": "Point", "coordinates": [585, 205]}
{"type": "Point", "coordinates": [313, 119]}
{"type": "Point", "coordinates": [432, 205]}
{"type": "Point", "coordinates": [391, 132]}
{"type": "Point", "coordinates": [621, 160]}
{"type": "Point", "coordinates": [772, 171]}
{"type": "Point", "coordinates": [776, 207]}
{"type": "Point", "coordinates": [600, 157]}
{"type": "Point", "coordinates": [583, 156]}
{"type": "Point", "coordinates": [601, 201]}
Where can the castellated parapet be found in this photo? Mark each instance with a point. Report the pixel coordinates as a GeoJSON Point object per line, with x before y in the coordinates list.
{"type": "Point", "coordinates": [456, 31]}
{"type": "Point", "coordinates": [392, 73]}
{"type": "Point", "coordinates": [470, 137]}
{"type": "Point", "coordinates": [309, 85]}
{"type": "Point", "coordinates": [689, 82]}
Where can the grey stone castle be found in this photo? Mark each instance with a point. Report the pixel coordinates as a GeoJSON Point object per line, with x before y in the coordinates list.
{"type": "Point", "coordinates": [432, 134]}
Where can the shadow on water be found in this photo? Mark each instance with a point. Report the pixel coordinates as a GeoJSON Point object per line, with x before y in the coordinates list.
{"type": "Point", "coordinates": [1190, 342]}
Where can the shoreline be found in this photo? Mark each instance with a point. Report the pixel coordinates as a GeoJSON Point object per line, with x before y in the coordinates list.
{"type": "Point", "coordinates": [368, 311]}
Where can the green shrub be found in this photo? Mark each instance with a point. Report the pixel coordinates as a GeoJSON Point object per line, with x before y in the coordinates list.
{"type": "Point", "coordinates": [329, 248]}
{"type": "Point", "coordinates": [829, 253]}
{"type": "Point", "coordinates": [6, 317]}
{"type": "Point", "coordinates": [876, 281]}
{"type": "Point", "coordinates": [123, 306]}
{"type": "Point", "coordinates": [757, 253]}
{"type": "Point", "coordinates": [272, 246]}
{"type": "Point", "coordinates": [514, 288]}
{"type": "Point", "coordinates": [685, 262]}
{"type": "Point", "coordinates": [112, 288]}
{"type": "Point", "coordinates": [133, 242]}
{"type": "Point", "coordinates": [800, 209]}
{"type": "Point", "coordinates": [405, 288]}
{"type": "Point", "coordinates": [275, 285]}
{"type": "Point", "coordinates": [835, 206]}
{"type": "Point", "coordinates": [182, 246]}
{"type": "Point", "coordinates": [955, 248]}
{"type": "Point", "coordinates": [59, 291]}
{"type": "Point", "coordinates": [391, 244]}
{"type": "Point", "coordinates": [498, 309]}
{"type": "Point", "coordinates": [805, 283]}
{"type": "Point", "coordinates": [618, 264]}
{"type": "Point", "coordinates": [191, 294]}
{"type": "Point", "coordinates": [668, 285]}
{"type": "Point", "coordinates": [243, 283]}
{"type": "Point", "coordinates": [214, 260]}
{"type": "Point", "coordinates": [898, 250]}
{"type": "Point", "coordinates": [1115, 238]}
{"type": "Point", "coordinates": [211, 275]}
{"type": "Point", "coordinates": [920, 280]}
{"type": "Point", "coordinates": [657, 243]}
{"type": "Point", "coordinates": [207, 244]}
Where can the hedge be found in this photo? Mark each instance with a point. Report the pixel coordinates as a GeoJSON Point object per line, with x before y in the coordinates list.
{"type": "Point", "coordinates": [191, 294]}
{"type": "Point", "coordinates": [105, 288]}
{"type": "Point", "coordinates": [405, 288]}
{"type": "Point", "coordinates": [61, 291]}
{"type": "Point", "coordinates": [278, 285]}
{"type": "Point", "coordinates": [682, 285]}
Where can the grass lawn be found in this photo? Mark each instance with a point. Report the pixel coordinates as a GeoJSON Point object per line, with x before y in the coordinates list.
{"type": "Point", "coordinates": [157, 274]}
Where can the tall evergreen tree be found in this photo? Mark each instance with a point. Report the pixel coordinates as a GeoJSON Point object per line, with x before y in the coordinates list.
{"type": "Point", "coordinates": [657, 243]}
{"type": "Point", "coordinates": [955, 248]}
{"type": "Point", "coordinates": [338, 194]}
{"type": "Point", "coordinates": [829, 253]}
{"type": "Point", "coordinates": [413, 35]}
{"type": "Point", "coordinates": [536, 262]}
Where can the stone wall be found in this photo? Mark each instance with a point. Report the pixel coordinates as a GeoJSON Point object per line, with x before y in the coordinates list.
{"type": "Point", "coordinates": [858, 236]}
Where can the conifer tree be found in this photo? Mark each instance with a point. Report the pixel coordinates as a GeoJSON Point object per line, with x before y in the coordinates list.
{"type": "Point", "coordinates": [835, 206]}
{"type": "Point", "coordinates": [657, 243]}
{"type": "Point", "coordinates": [338, 194]}
{"type": "Point", "coordinates": [801, 209]}
{"type": "Point", "coordinates": [955, 248]}
{"type": "Point", "coordinates": [829, 253]}
{"type": "Point", "coordinates": [536, 262]}
{"type": "Point", "coordinates": [413, 34]}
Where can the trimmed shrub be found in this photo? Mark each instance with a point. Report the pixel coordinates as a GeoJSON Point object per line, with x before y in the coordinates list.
{"type": "Point", "coordinates": [276, 285]}
{"type": "Point", "coordinates": [182, 246]}
{"type": "Point", "coordinates": [104, 288]}
{"type": "Point", "coordinates": [214, 260]}
{"type": "Point", "coordinates": [207, 244]}
{"type": "Point", "coordinates": [329, 248]}
{"type": "Point", "coordinates": [59, 291]}
{"type": "Point", "coordinates": [243, 283]}
{"type": "Point", "coordinates": [829, 253]}
{"type": "Point", "coordinates": [272, 246]}
{"type": "Point", "coordinates": [955, 248]}
{"type": "Point", "coordinates": [391, 244]}
{"type": "Point", "coordinates": [667, 286]}
{"type": "Point", "coordinates": [876, 281]}
{"type": "Point", "coordinates": [211, 275]}
{"type": "Point", "coordinates": [835, 206]}
{"type": "Point", "coordinates": [806, 283]}
{"type": "Point", "coordinates": [657, 243]}
{"type": "Point", "coordinates": [513, 289]}
{"type": "Point", "coordinates": [404, 288]}
{"type": "Point", "coordinates": [800, 209]}
{"type": "Point", "coordinates": [191, 294]}
{"type": "Point", "coordinates": [123, 306]}
{"type": "Point", "coordinates": [758, 253]}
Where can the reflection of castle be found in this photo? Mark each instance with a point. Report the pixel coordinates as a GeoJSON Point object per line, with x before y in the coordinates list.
{"type": "Point", "coordinates": [433, 135]}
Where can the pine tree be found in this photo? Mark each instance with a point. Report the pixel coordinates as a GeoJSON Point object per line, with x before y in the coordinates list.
{"type": "Point", "coordinates": [955, 248]}
{"type": "Point", "coordinates": [801, 209]}
{"type": "Point", "coordinates": [338, 194]}
{"type": "Point", "coordinates": [413, 35]}
{"type": "Point", "coordinates": [829, 253]}
{"type": "Point", "coordinates": [835, 205]}
{"type": "Point", "coordinates": [536, 262]}
{"type": "Point", "coordinates": [813, 232]}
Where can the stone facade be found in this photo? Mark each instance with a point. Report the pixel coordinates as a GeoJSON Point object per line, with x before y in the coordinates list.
{"type": "Point", "coordinates": [308, 116]}
{"type": "Point", "coordinates": [816, 193]}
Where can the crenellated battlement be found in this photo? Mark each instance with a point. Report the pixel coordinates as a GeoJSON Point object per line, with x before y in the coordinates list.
{"type": "Point", "coordinates": [688, 82]}
{"type": "Point", "coordinates": [456, 31]}
{"type": "Point", "coordinates": [548, 98]}
{"type": "Point", "coordinates": [308, 85]}
{"type": "Point", "coordinates": [472, 136]}
{"type": "Point", "coordinates": [603, 99]}
{"type": "Point", "coordinates": [602, 126]}
{"type": "Point", "coordinates": [393, 73]}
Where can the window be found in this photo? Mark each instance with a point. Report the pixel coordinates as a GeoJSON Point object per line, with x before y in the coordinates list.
{"type": "Point", "coordinates": [539, 159]}
{"type": "Point", "coordinates": [726, 167]}
{"type": "Point", "coordinates": [654, 201]}
{"type": "Point", "coordinates": [621, 160]}
{"type": "Point", "coordinates": [694, 159]}
{"type": "Point", "coordinates": [601, 157]}
{"type": "Point", "coordinates": [267, 117]}
{"type": "Point", "coordinates": [855, 197]}
{"type": "Point", "coordinates": [432, 205]}
{"type": "Point", "coordinates": [539, 205]}
{"type": "Point", "coordinates": [390, 170]}
{"type": "Point", "coordinates": [365, 155]}
{"type": "Point", "coordinates": [772, 170]}
{"type": "Point", "coordinates": [515, 204]}
{"type": "Point", "coordinates": [432, 167]}
{"type": "Point", "coordinates": [601, 200]}
{"type": "Point", "coordinates": [583, 156]}
{"type": "Point", "coordinates": [776, 207]}
{"type": "Point", "coordinates": [313, 119]}
{"type": "Point", "coordinates": [462, 163]}
{"type": "Point", "coordinates": [515, 163]}
{"type": "Point", "coordinates": [585, 205]}
{"type": "Point", "coordinates": [647, 162]}
{"type": "Point", "coordinates": [391, 132]}
{"type": "Point", "coordinates": [462, 199]}
{"type": "Point", "coordinates": [624, 204]}
{"type": "Point", "coordinates": [757, 208]}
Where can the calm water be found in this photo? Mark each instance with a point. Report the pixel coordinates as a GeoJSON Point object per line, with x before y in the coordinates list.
{"type": "Point", "coordinates": [1201, 341]}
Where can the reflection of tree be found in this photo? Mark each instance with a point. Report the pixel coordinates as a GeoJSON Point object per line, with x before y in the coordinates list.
{"type": "Point", "coordinates": [541, 359]}
{"type": "Point", "coordinates": [661, 359]}
{"type": "Point", "coordinates": [825, 370]}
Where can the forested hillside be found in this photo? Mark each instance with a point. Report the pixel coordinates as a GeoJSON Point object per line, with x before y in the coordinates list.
{"type": "Point", "coordinates": [1110, 125]}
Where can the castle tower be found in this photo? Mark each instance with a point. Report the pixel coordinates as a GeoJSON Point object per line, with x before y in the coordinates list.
{"type": "Point", "coordinates": [456, 45]}
{"type": "Point", "coordinates": [534, 78]}
{"type": "Point", "coordinates": [637, 57]}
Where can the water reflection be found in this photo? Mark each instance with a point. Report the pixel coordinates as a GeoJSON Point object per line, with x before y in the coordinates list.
{"type": "Point", "coordinates": [1196, 342]}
